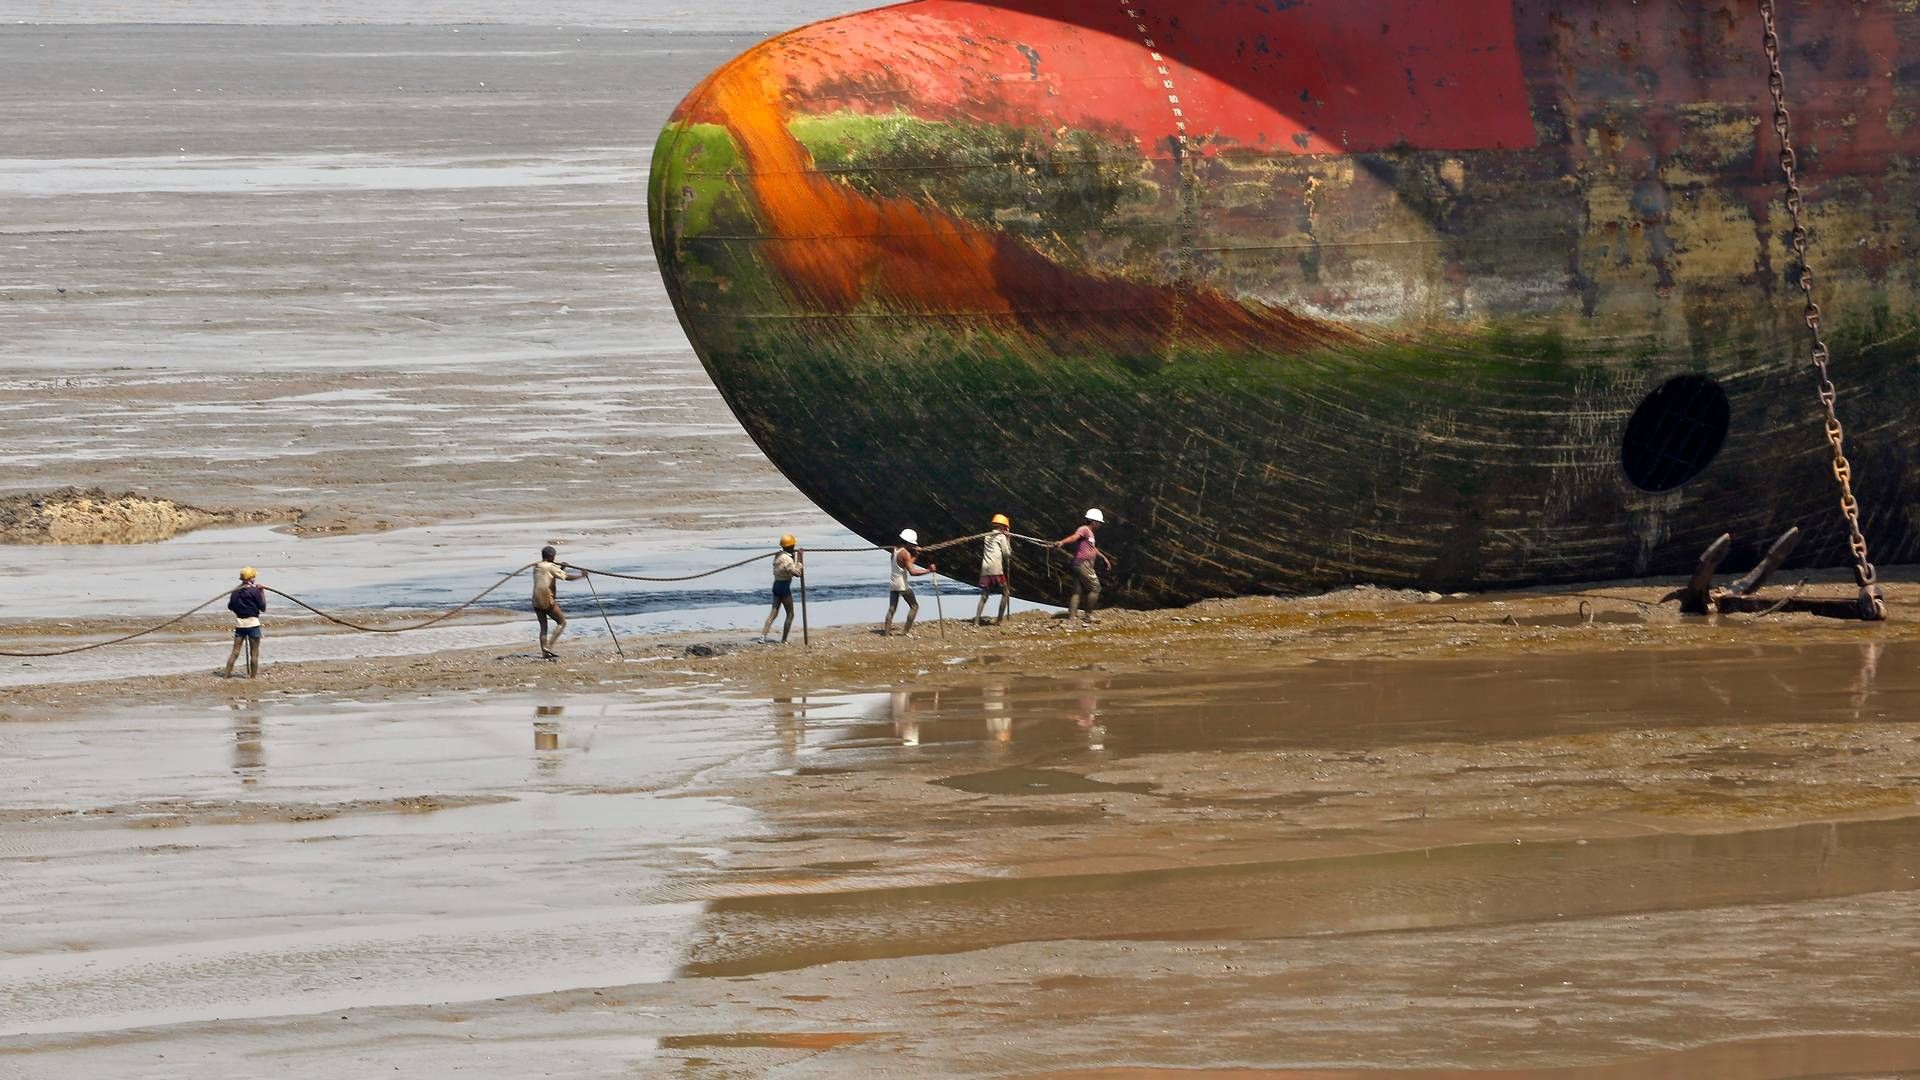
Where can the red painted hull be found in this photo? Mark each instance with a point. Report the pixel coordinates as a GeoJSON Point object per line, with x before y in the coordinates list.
{"type": "Point", "coordinates": [1308, 292]}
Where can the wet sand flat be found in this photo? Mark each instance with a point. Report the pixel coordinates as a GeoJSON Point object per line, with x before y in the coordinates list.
{"type": "Point", "coordinates": [1314, 837]}
{"type": "Point", "coordinates": [388, 275]}
{"type": "Point", "coordinates": [397, 277]}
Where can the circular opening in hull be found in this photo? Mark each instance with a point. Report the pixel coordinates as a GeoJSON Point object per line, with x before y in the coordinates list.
{"type": "Point", "coordinates": [1675, 433]}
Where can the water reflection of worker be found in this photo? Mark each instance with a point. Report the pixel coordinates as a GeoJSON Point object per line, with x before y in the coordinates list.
{"type": "Point", "coordinates": [247, 602]}
{"type": "Point", "coordinates": [787, 565]}
{"type": "Point", "coordinates": [900, 581]}
{"type": "Point", "coordinates": [1086, 713]}
{"type": "Point", "coordinates": [996, 559]}
{"type": "Point", "coordinates": [546, 599]}
{"type": "Point", "coordinates": [546, 738]}
{"type": "Point", "coordinates": [906, 719]}
{"type": "Point", "coordinates": [249, 750]}
{"type": "Point", "coordinates": [994, 704]}
{"type": "Point", "coordinates": [790, 722]}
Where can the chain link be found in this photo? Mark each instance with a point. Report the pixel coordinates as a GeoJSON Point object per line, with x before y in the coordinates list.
{"type": "Point", "coordinates": [1872, 605]}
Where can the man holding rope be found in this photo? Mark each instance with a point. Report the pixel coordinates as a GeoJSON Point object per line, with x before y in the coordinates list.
{"type": "Point", "coordinates": [900, 581]}
{"type": "Point", "coordinates": [995, 556]}
{"type": "Point", "coordinates": [1086, 575]}
{"type": "Point", "coordinates": [546, 601]}
{"type": "Point", "coordinates": [247, 602]}
{"type": "Point", "coordinates": [786, 566]}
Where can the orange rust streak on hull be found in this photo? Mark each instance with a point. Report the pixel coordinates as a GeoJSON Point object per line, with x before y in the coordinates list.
{"type": "Point", "coordinates": [838, 249]}
{"type": "Point", "coordinates": [834, 244]}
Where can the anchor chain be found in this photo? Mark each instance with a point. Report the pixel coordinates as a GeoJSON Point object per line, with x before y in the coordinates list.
{"type": "Point", "coordinates": [1872, 604]}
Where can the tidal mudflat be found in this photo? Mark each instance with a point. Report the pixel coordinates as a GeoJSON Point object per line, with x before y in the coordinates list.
{"type": "Point", "coordinates": [1314, 837]}
{"type": "Point", "coordinates": [394, 279]}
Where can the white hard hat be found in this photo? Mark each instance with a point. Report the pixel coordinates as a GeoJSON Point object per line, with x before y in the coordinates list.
{"type": "Point", "coordinates": [1096, 515]}
{"type": "Point", "coordinates": [910, 536]}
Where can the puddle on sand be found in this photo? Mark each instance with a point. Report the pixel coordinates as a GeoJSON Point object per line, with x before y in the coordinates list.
{"type": "Point", "coordinates": [1023, 781]}
{"type": "Point", "coordinates": [288, 857]}
{"type": "Point", "coordinates": [1467, 885]}
{"type": "Point", "coordinates": [1356, 704]}
{"type": "Point", "coordinates": [771, 1040]}
{"type": "Point", "coordinates": [1791, 1057]}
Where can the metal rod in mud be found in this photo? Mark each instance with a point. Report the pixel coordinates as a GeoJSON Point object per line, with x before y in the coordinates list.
{"type": "Point", "coordinates": [806, 639]}
{"type": "Point", "coordinates": [603, 618]}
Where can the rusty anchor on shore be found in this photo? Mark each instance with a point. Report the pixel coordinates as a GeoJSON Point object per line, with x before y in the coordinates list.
{"type": "Point", "coordinates": [1700, 597]}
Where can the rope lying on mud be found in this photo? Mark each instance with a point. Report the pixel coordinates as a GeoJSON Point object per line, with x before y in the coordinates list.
{"type": "Point", "coordinates": [443, 616]}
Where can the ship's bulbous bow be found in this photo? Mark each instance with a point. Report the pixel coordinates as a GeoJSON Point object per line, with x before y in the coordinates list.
{"type": "Point", "coordinates": [1300, 294]}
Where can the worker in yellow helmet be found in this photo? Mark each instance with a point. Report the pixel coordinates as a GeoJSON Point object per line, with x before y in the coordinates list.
{"type": "Point", "coordinates": [996, 560]}
{"type": "Point", "coordinates": [247, 602]}
{"type": "Point", "coordinates": [790, 563]}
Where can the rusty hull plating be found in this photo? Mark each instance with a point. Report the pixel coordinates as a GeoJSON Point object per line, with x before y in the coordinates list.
{"type": "Point", "coordinates": [1313, 293]}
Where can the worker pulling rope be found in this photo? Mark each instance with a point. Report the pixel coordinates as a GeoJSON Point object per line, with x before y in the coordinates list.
{"type": "Point", "coordinates": [434, 620]}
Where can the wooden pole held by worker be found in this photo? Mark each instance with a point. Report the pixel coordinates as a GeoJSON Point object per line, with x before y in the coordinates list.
{"type": "Point", "coordinates": [806, 639]}
{"type": "Point", "coordinates": [939, 609]}
{"type": "Point", "coordinates": [603, 617]}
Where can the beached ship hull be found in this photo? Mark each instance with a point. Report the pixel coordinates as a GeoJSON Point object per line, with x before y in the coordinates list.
{"type": "Point", "coordinates": [1441, 295]}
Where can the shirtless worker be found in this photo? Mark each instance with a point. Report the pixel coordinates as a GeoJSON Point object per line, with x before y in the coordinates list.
{"type": "Point", "coordinates": [996, 557]}
{"type": "Point", "coordinates": [900, 581]}
{"type": "Point", "coordinates": [787, 565]}
{"type": "Point", "coordinates": [1086, 576]}
{"type": "Point", "coordinates": [247, 602]}
{"type": "Point", "coordinates": [546, 602]}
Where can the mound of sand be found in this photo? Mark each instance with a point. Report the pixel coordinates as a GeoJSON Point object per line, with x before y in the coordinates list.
{"type": "Point", "coordinates": [96, 516]}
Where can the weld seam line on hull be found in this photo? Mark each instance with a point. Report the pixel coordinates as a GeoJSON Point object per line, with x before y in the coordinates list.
{"type": "Point", "coordinates": [1189, 210]}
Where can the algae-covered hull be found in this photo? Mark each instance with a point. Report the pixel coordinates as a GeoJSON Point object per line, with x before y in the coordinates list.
{"type": "Point", "coordinates": [1444, 295]}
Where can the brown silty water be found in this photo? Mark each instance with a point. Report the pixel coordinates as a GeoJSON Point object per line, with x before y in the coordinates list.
{"type": "Point", "coordinates": [1597, 863]}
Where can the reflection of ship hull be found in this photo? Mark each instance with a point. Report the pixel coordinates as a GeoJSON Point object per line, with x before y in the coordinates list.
{"type": "Point", "coordinates": [1383, 316]}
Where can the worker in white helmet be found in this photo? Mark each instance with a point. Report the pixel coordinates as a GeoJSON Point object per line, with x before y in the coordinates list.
{"type": "Point", "coordinates": [1086, 576]}
{"type": "Point", "coordinates": [248, 602]}
{"type": "Point", "coordinates": [903, 570]}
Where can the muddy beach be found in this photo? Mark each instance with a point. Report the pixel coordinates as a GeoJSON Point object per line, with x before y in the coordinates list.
{"type": "Point", "coordinates": [392, 282]}
{"type": "Point", "coordinates": [1309, 837]}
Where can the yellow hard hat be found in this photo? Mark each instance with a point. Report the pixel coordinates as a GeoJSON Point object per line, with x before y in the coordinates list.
{"type": "Point", "coordinates": [247, 573]}
{"type": "Point", "coordinates": [1002, 519]}
{"type": "Point", "coordinates": [788, 540]}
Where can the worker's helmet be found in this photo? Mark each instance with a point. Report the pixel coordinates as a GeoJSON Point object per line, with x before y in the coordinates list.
{"type": "Point", "coordinates": [248, 573]}
{"type": "Point", "coordinates": [788, 541]}
{"type": "Point", "coordinates": [910, 536]}
{"type": "Point", "coordinates": [1096, 516]}
{"type": "Point", "coordinates": [1001, 519]}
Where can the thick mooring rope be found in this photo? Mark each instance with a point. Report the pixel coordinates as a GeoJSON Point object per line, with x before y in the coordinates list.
{"type": "Point", "coordinates": [154, 629]}
{"type": "Point", "coordinates": [443, 616]}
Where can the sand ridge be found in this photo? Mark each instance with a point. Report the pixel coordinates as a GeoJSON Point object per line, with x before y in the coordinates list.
{"type": "Point", "coordinates": [73, 515]}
